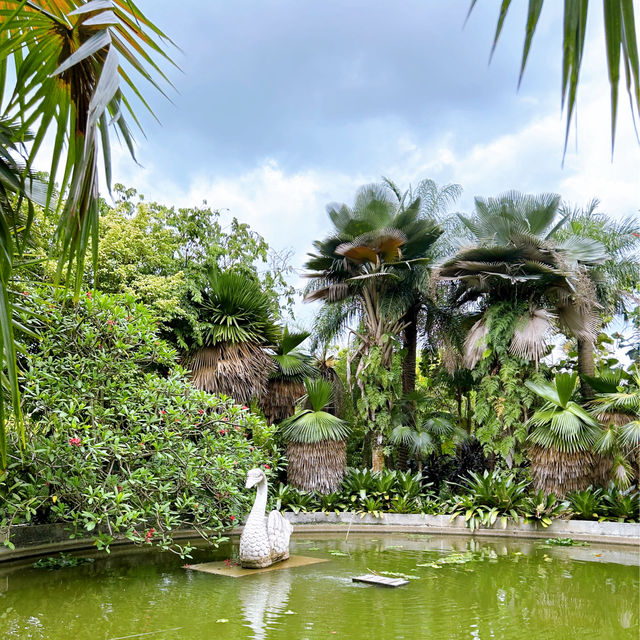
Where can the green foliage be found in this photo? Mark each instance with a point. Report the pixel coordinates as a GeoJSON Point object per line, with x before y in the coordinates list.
{"type": "Point", "coordinates": [543, 509]}
{"type": "Point", "coordinates": [487, 497]}
{"type": "Point", "coordinates": [117, 447]}
{"type": "Point", "coordinates": [231, 308]}
{"type": "Point", "coordinates": [561, 423]}
{"type": "Point", "coordinates": [315, 424]}
{"type": "Point", "coordinates": [61, 561]}
{"type": "Point", "coordinates": [503, 400]}
{"type": "Point", "coordinates": [380, 389]}
{"type": "Point", "coordinates": [163, 257]}
{"type": "Point", "coordinates": [610, 503]}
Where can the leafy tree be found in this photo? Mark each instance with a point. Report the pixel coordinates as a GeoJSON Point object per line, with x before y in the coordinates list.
{"type": "Point", "coordinates": [316, 449]}
{"type": "Point", "coordinates": [66, 83]}
{"type": "Point", "coordinates": [162, 256]}
{"type": "Point", "coordinates": [120, 443]}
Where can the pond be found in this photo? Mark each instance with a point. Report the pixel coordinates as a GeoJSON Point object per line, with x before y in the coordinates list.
{"type": "Point", "coordinates": [458, 588]}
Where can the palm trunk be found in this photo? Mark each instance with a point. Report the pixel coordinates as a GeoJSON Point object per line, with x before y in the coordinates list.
{"type": "Point", "coordinates": [586, 366]}
{"type": "Point", "coordinates": [410, 340]}
{"type": "Point", "coordinates": [377, 452]}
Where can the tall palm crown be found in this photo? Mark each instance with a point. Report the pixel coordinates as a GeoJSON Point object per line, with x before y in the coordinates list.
{"type": "Point", "coordinates": [515, 258]}
{"type": "Point", "coordinates": [227, 344]}
{"type": "Point", "coordinates": [375, 245]}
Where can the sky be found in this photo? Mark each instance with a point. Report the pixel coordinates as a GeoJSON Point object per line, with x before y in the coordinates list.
{"type": "Point", "coordinates": [282, 106]}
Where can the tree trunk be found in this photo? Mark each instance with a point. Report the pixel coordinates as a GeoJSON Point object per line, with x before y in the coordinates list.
{"type": "Point", "coordinates": [377, 452]}
{"type": "Point", "coordinates": [410, 340]}
{"type": "Point", "coordinates": [586, 366]}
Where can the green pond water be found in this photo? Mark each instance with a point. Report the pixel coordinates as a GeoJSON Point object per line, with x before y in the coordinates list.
{"type": "Point", "coordinates": [459, 588]}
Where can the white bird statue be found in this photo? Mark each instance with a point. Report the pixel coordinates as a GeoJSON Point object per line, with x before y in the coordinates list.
{"type": "Point", "coordinates": [264, 541]}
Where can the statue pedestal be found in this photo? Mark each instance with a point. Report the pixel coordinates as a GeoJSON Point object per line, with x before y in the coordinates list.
{"type": "Point", "coordinates": [236, 571]}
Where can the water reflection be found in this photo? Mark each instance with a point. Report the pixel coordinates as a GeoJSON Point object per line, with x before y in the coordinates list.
{"type": "Point", "coordinates": [263, 600]}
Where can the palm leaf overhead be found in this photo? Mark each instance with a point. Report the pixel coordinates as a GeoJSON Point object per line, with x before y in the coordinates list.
{"type": "Point", "coordinates": [620, 44]}
{"type": "Point", "coordinates": [70, 82]}
{"type": "Point", "coordinates": [64, 84]}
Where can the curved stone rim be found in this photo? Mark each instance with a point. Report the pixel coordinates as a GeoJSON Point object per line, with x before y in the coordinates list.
{"type": "Point", "coordinates": [39, 540]}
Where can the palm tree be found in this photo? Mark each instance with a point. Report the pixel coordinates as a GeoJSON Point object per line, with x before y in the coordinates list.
{"type": "Point", "coordinates": [620, 42]}
{"type": "Point", "coordinates": [228, 344]}
{"type": "Point", "coordinates": [516, 260]}
{"type": "Point", "coordinates": [427, 435]}
{"type": "Point", "coordinates": [562, 439]}
{"type": "Point", "coordinates": [616, 278]}
{"type": "Point", "coordinates": [356, 270]}
{"type": "Point", "coordinates": [434, 202]}
{"type": "Point", "coordinates": [286, 383]}
{"type": "Point", "coordinates": [316, 442]}
{"type": "Point", "coordinates": [66, 72]}
{"type": "Point", "coordinates": [617, 406]}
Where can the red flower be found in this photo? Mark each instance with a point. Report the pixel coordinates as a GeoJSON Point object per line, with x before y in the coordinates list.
{"type": "Point", "coordinates": [200, 411]}
{"type": "Point", "coordinates": [75, 442]}
{"type": "Point", "coordinates": [223, 432]}
{"type": "Point", "coordinates": [162, 411]}
{"type": "Point", "coordinates": [225, 419]}
{"type": "Point", "coordinates": [89, 294]}
{"type": "Point", "coordinates": [266, 466]}
{"type": "Point", "coordinates": [245, 408]}
{"type": "Point", "coordinates": [232, 518]}
{"type": "Point", "coordinates": [149, 534]}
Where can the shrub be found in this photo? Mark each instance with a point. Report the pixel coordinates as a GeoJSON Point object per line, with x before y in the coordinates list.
{"type": "Point", "coordinates": [115, 446]}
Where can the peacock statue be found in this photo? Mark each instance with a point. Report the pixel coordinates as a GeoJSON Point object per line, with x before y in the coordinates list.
{"type": "Point", "coordinates": [264, 541]}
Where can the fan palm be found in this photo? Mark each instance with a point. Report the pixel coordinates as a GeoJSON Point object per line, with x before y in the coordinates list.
{"type": "Point", "coordinates": [316, 442]}
{"type": "Point", "coordinates": [617, 406]}
{"type": "Point", "coordinates": [514, 259]}
{"type": "Point", "coordinates": [227, 345]}
{"type": "Point", "coordinates": [360, 269]}
{"type": "Point", "coordinates": [427, 436]}
{"type": "Point", "coordinates": [66, 73]}
{"type": "Point", "coordinates": [562, 439]}
{"type": "Point", "coordinates": [286, 383]}
{"type": "Point", "coordinates": [616, 278]}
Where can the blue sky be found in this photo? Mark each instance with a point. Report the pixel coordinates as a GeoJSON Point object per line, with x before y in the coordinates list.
{"type": "Point", "coordinates": [282, 106]}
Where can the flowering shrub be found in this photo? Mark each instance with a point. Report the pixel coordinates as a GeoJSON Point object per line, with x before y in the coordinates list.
{"type": "Point", "coordinates": [120, 444]}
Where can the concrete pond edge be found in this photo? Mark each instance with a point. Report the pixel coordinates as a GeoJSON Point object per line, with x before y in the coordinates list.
{"type": "Point", "coordinates": [38, 540]}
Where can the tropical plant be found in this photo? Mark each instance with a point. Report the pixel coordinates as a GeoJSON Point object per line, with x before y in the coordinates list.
{"type": "Point", "coordinates": [620, 43]}
{"type": "Point", "coordinates": [316, 449]}
{"type": "Point", "coordinates": [228, 347]}
{"type": "Point", "coordinates": [374, 245]}
{"type": "Point", "coordinates": [66, 83]}
{"type": "Point", "coordinates": [617, 407]}
{"type": "Point", "coordinates": [120, 443]}
{"type": "Point", "coordinates": [616, 278]}
{"type": "Point", "coordinates": [563, 435]}
{"type": "Point", "coordinates": [516, 259]}
{"type": "Point", "coordinates": [427, 436]}
{"type": "Point", "coordinates": [487, 497]}
{"type": "Point", "coordinates": [286, 383]}
{"type": "Point", "coordinates": [513, 287]}
{"type": "Point", "coordinates": [587, 504]}
{"type": "Point", "coordinates": [542, 509]}
{"type": "Point", "coordinates": [621, 504]}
